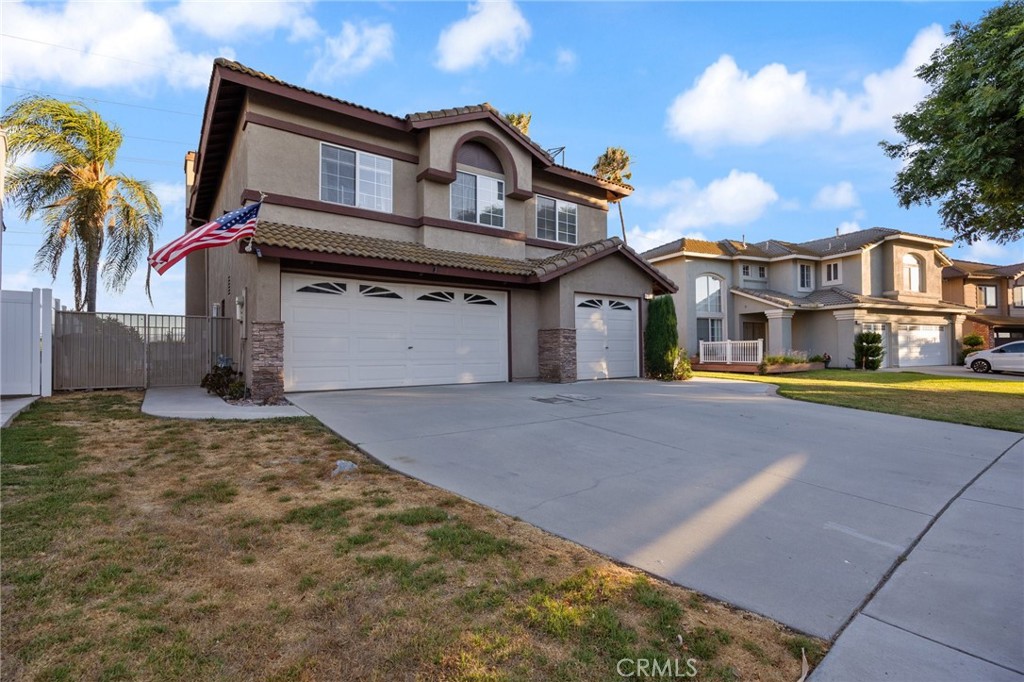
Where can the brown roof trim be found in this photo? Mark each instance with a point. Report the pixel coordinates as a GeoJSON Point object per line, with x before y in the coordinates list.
{"type": "Point", "coordinates": [384, 264]}
{"type": "Point", "coordinates": [426, 120]}
{"type": "Point", "coordinates": [614, 191]}
{"type": "Point", "coordinates": [496, 145]}
{"type": "Point", "coordinates": [437, 175]}
{"type": "Point", "coordinates": [471, 227]}
{"type": "Point", "coordinates": [327, 207]}
{"type": "Point", "coordinates": [324, 136]}
{"type": "Point", "coordinates": [665, 283]}
{"type": "Point", "coordinates": [565, 196]}
{"type": "Point", "coordinates": [548, 244]}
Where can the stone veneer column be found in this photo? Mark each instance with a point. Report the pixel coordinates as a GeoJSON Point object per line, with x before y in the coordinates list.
{"type": "Point", "coordinates": [556, 355]}
{"type": "Point", "coordinates": [267, 368]}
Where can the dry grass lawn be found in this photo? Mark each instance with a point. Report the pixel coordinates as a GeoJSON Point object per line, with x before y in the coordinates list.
{"type": "Point", "coordinates": [137, 548]}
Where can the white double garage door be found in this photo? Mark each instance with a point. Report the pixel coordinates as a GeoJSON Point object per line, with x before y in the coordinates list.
{"type": "Point", "coordinates": [349, 333]}
{"type": "Point", "coordinates": [917, 345]}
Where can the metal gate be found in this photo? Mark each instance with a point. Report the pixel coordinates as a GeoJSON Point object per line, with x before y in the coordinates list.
{"type": "Point", "coordinates": [133, 350]}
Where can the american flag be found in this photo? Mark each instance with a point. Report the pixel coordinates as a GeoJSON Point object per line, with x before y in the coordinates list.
{"type": "Point", "coordinates": [230, 227]}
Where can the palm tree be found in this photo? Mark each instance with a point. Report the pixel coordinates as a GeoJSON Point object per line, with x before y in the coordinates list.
{"type": "Point", "coordinates": [520, 120]}
{"type": "Point", "coordinates": [613, 166]}
{"type": "Point", "coordinates": [84, 206]}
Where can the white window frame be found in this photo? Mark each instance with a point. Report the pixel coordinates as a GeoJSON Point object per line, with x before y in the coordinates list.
{"type": "Point", "coordinates": [1018, 296]}
{"type": "Point", "coordinates": [479, 204]}
{"type": "Point", "coordinates": [838, 265]}
{"type": "Point", "coordinates": [707, 307]}
{"type": "Point", "coordinates": [715, 324]}
{"type": "Point", "coordinates": [559, 205]}
{"type": "Point", "coordinates": [745, 270]}
{"type": "Point", "coordinates": [380, 204]}
{"type": "Point", "coordinates": [912, 275]}
{"type": "Point", "coordinates": [800, 277]}
{"type": "Point", "coordinates": [983, 299]}
{"type": "Point", "coordinates": [762, 272]}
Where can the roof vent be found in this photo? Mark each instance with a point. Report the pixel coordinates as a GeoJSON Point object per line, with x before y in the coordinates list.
{"type": "Point", "coordinates": [744, 241]}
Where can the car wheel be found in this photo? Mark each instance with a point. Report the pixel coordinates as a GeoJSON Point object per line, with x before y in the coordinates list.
{"type": "Point", "coordinates": [981, 366]}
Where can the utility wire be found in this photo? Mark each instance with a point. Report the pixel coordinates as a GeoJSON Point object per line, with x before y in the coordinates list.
{"type": "Point", "coordinates": [96, 99]}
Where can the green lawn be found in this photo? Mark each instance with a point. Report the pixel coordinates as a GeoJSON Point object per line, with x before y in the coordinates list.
{"type": "Point", "coordinates": [976, 402]}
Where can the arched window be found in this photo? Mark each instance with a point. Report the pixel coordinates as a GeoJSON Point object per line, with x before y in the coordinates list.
{"type": "Point", "coordinates": [709, 294]}
{"type": "Point", "coordinates": [479, 197]}
{"type": "Point", "coordinates": [911, 272]}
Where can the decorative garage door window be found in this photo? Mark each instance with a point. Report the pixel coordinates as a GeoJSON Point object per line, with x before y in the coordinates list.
{"type": "Point", "coordinates": [618, 305]}
{"type": "Point", "coordinates": [325, 288]}
{"type": "Point", "coordinates": [477, 299]}
{"type": "Point", "coordinates": [439, 296]}
{"type": "Point", "coordinates": [592, 303]}
{"type": "Point", "coordinates": [377, 292]}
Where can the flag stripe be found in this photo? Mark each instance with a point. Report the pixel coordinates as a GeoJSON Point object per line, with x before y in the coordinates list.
{"type": "Point", "coordinates": [230, 227]}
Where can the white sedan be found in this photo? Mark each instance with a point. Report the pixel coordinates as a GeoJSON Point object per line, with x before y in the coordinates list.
{"type": "Point", "coordinates": [1006, 358]}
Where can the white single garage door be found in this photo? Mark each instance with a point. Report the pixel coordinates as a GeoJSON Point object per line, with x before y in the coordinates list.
{"type": "Point", "coordinates": [607, 333]}
{"type": "Point", "coordinates": [348, 333]}
{"type": "Point", "coordinates": [921, 345]}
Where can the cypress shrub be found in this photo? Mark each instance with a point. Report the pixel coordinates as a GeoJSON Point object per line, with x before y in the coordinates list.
{"type": "Point", "coordinates": [661, 342]}
{"type": "Point", "coordinates": [867, 350]}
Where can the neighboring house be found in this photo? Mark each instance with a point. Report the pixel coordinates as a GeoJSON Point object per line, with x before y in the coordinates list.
{"type": "Point", "coordinates": [816, 296]}
{"type": "Point", "coordinates": [435, 248]}
{"type": "Point", "coordinates": [995, 293]}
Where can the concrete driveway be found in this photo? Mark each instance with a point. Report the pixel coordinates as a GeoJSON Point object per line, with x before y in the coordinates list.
{"type": "Point", "coordinates": [960, 371]}
{"type": "Point", "coordinates": [794, 510]}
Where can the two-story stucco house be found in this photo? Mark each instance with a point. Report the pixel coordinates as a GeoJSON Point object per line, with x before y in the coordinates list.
{"type": "Point", "coordinates": [817, 295]}
{"type": "Point", "coordinates": [995, 294]}
{"type": "Point", "coordinates": [433, 248]}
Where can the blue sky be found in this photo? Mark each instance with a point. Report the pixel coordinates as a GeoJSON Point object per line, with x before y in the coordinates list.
{"type": "Point", "coordinates": [742, 119]}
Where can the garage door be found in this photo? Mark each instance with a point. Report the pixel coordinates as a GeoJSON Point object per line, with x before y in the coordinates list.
{"type": "Point", "coordinates": [607, 332]}
{"type": "Point", "coordinates": [922, 345]}
{"type": "Point", "coordinates": [348, 333]}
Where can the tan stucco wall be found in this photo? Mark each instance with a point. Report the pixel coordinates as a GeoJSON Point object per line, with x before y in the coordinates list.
{"type": "Point", "coordinates": [816, 332]}
{"type": "Point", "coordinates": [469, 242]}
{"type": "Point", "coordinates": [525, 321]}
{"type": "Point", "coordinates": [685, 273]}
{"type": "Point", "coordinates": [437, 145]}
{"type": "Point", "coordinates": [931, 271]}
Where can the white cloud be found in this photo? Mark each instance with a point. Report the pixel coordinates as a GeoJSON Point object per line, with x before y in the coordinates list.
{"type": "Point", "coordinates": [111, 44]}
{"type": "Point", "coordinates": [986, 251]}
{"type": "Point", "coordinates": [737, 198]}
{"type": "Point", "coordinates": [727, 105]}
{"type": "Point", "coordinates": [565, 60]}
{"type": "Point", "coordinates": [837, 196]}
{"type": "Point", "coordinates": [894, 90]}
{"type": "Point", "coordinates": [171, 196]}
{"type": "Point", "coordinates": [641, 241]}
{"type": "Point", "coordinates": [354, 50]}
{"type": "Point", "coordinates": [492, 30]}
{"type": "Point", "coordinates": [848, 226]}
{"type": "Point", "coordinates": [228, 19]}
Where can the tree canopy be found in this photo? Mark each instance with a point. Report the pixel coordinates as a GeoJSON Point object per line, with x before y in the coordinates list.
{"type": "Point", "coordinates": [520, 120]}
{"type": "Point", "coordinates": [613, 166]}
{"type": "Point", "coordinates": [85, 207]}
{"type": "Point", "coordinates": [963, 144]}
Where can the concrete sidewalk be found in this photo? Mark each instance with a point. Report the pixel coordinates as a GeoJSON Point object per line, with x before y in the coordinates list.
{"type": "Point", "coordinates": [11, 407]}
{"type": "Point", "coordinates": [954, 610]}
{"type": "Point", "coordinates": [192, 402]}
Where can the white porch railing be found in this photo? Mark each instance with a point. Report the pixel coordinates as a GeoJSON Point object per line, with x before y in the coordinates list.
{"type": "Point", "coordinates": [732, 352]}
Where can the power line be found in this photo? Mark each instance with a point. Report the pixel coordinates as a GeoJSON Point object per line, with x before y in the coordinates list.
{"type": "Point", "coordinates": [96, 99]}
{"type": "Point", "coordinates": [85, 52]}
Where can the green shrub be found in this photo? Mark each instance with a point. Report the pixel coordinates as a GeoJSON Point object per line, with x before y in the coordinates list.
{"type": "Point", "coordinates": [973, 342]}
{"type": "Point", "coordinates": [222, 381]}
{"type": "Point", "coordinates": [662, 356]}
{"type": "Point", "coordinates": [867, 350]}
{"type": "Point", "coordinates": [816, 358]}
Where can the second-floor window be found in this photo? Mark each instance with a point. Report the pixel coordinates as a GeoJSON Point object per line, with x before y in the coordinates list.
{"type": "Point", "coordinates": [911, 273]}
{"type": "Point", "coordinates": [1018, 297]}
{"type": "Point", "coordinates": [709, 294]}
{"type": "Point", "coordinates": [762, 271]}
{"type": "Point", "coordinates": [832, 273]}
{"type": "Point", "coordinates": [806, 277]}
{"type": "Point", "coordinates": [556, 220]}
{"type": "Point", "coordinates": [746, 270]}
{"type": "Point", "coordinates": [986, 296]}
{"type": "Point", "coordinates": [355, 178]}
{"type": "Point", "coordinates": [478, 199]}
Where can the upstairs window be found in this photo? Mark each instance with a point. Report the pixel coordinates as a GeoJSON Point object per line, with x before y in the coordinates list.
{"type": "Point", "coordinates": [354, 178]}
{"type": "Point", "coordinates": [709, 294]}
{"type": "Point", "coordinates": [556, 220]}
{"type": "Point", "coordinates": [832, 273]}
{"type": "Point", "coordinates": [1018, 296]}
{"type": "Point", "coordinates": [478, 199]}
{"type": "Point", "coordinates": [987, 296]}
{"type": "Point", "coordinates": [745, 269]}
{"type": "Point", "coordinates": [762, 271]}
{"type": "Point", "coordinates": [911, 273]}
{"type": "Point", "coordinates": [806, 281]}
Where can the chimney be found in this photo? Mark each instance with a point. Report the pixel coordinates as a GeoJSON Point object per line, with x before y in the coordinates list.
{"type": "Point", "coordinates": [744, 240]}
{"type": "Point", "coordinates": [190, 180]}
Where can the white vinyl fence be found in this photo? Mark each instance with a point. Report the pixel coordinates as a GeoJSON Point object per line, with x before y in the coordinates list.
{"type": "Point", "coordinates": [25, 342]}
{"type": "Point", "coordinates": [732, 352]}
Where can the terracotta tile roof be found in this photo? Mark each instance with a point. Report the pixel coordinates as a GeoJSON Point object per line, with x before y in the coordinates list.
{"type": "Point", "coordinates": [998, 320]}
{"type": "Point", "coordinates": [688, 245]}
{"type": "Point", "coordinates": [534, 269]}
{"type": "Point", "coordinates": [242, 68]}
{"type": "Point", "coordinates": [834, 296]}
{"type": "Point", "coordinates": [345, 244]}
{"type": "Point", "coordinates": [960, 268]}
{"type": "Point", "coordinates": [448, 113]}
